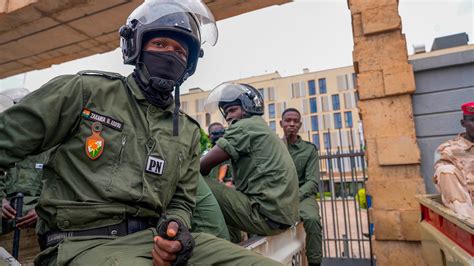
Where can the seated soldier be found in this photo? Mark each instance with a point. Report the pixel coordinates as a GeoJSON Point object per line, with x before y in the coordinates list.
{"type": "Point", "coordinates": [306, 159]}
{"type": "Point", "coordinates": [454, 167]}
{"type": "Point", "coordinates": [222, 172]}
{"type": "Point", "coordinates": [24, 178]}
{"type": "Point", "coordinates": [265, 198]}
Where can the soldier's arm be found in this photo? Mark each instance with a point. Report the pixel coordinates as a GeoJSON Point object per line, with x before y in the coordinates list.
{"type": "Point", "coordinates": [41, 120]}
{"type": "Point", "coordinates": [183, 202]}
{"type": "Point", "coordinates": [213, 158]}
{"type": "Point", "coordinates": [453, 189]}
{"type": "Point", "coordinates": [310, 188]}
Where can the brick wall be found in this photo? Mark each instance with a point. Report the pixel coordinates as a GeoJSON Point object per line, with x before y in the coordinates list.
{"type": "Point", "coordinates": [385, 83]}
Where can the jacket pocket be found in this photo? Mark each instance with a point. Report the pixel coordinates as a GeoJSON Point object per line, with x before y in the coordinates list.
{"type": "Point", "coordinates": [89, 216]}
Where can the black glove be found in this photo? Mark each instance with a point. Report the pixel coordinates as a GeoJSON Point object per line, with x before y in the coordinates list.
{"type": "Point", "coordinates": [183, 236]}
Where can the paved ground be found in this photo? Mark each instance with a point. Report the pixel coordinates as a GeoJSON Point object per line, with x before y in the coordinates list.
{"type": "Point", "coordinates": [345, 229]}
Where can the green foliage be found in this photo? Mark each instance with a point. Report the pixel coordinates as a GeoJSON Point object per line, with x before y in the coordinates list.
{"type": "Point", "coordinates": [205, 142]}
{"type": "Point", "coordinates": [327, 195]}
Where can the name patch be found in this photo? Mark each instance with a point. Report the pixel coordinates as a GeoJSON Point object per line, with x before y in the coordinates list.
{"type": "Point", "coordinates": [155, 165]}
{"type": "Point", "coordinates": [39, 166]}
{"type": "Point", "coordinates": [107, 121]}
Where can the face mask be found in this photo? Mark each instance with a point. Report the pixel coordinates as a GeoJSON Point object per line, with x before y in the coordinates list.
{"type": "Point", "coordinates": [164, 65]}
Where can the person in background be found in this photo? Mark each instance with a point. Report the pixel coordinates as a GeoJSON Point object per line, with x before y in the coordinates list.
{"type": "Point", "coordinates": [223, 172]}
{"type": "Point", "coordinates": [306, 160]}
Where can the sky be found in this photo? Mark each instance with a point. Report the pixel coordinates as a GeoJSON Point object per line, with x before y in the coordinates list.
{"type": "Point", "coordinates": [313, 34]}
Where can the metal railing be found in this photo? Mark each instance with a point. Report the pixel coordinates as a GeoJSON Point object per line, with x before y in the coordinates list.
{"type": "Point", "coordinates": [345, 221]}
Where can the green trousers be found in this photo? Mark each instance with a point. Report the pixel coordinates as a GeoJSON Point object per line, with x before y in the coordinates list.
{"type": "Point", "coordinates": [309, 213]}
{"type": "Point", "coordinates": [240, 211]}
{"type": "Point", "coordinates": [135, 249]}
{"type": "Point", "coordinates": [207, 216]}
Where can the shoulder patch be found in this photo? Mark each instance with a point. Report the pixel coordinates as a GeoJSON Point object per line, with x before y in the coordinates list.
{"type": "Point", "coordinates": [109, 75]}
{"type": "Point", "coordinates": [190, 118]}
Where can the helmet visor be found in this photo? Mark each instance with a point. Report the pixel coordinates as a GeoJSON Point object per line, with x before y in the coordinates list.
{"type": "Point", "coordinates": [153, 10]}
{"type": "Point", "coordinates": [225, 93]}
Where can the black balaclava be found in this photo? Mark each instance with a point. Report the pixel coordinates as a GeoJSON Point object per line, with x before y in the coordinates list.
{"type": "Point", "coordinates": [158, 73]}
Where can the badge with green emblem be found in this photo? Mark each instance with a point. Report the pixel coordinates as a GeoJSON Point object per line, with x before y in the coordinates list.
{"type": "Point", "coordinates": [95, 143]}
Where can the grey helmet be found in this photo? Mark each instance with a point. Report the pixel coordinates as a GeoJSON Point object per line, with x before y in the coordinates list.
{"type": "Point", "coordinates": [229, 94]}
{"type": "Point", "coordinates": [190, 19]}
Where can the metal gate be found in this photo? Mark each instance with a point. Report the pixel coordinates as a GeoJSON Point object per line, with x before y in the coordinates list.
{"type": "Point", "coordinates": [347, 230]}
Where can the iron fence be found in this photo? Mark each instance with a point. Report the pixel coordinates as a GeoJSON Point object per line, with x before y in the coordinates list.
{"type": "Point", "coordinates": [344, 211]}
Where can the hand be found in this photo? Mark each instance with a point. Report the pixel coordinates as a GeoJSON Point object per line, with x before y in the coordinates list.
{"type": "Point", "coordinates": [8, 212]}
{"type": "Point", "coordinates": [28, 220]}
{"type": "Point", "coordinates": [165, 251]}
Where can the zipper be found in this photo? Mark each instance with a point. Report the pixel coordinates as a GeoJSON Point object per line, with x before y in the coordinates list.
{"type": "Point", "coordinates": [180, 161]}
{"type": "Point", "coordinates": [117, 163]}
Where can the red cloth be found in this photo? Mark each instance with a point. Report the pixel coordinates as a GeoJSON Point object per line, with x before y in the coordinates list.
{"type": "Point", "coordinates": [468, 108]}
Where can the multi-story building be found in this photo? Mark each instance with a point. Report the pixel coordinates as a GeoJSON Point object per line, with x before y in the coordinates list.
{"type": "Point", "coordinates": [326, 99]}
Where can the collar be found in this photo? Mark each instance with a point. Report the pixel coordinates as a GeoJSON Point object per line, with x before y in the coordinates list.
{"type": "Point", "coordinates": [466, 143]}
{"type": "Point", "coordinates": [137, 93]}
{"type": "Point", "coordinates": [296, 144]}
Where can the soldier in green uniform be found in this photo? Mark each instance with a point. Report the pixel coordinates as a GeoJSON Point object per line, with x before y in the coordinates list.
{"type": "Point", "coordinates": [306, 159]}
{"type": "Point", "coordinates": [120, 186]}
{"type": "Point", "coordinates": [24, 177]}
{"type": "Point", "coordinates": [223, 171]}
{"type": "Point", "coordinates": [265, 198]}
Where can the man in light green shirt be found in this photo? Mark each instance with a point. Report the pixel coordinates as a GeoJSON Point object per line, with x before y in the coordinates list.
{"type": "Point", "coordinates": [265, 198]}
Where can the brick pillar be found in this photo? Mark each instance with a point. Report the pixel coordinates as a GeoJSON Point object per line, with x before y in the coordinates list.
{"type": "Point", "coordinates": [385, 82]}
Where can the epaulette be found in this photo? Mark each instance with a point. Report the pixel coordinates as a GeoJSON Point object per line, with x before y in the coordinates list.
{"type": "Point", "coordinates": [109, 75]}
{"type": "Point", "coordinates": [190, 118]}
{"type": "Point", "coordinates": [314, 145]}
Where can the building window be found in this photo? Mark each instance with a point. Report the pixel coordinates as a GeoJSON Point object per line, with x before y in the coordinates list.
{"type": "Point", "coordinates": [271, 110]}
{"type": "Point", "coordinates": [311, 87]}
{"type": "Point", "coordinates": [348, 119]}
{"type": "Point", "coordinates": [316, 140]}
{"type": "Point", "coordinates": [208, 119]}
{"type": "Point", "coordinates": [184, 106]}
{"type": "Point", "coordinates": [271, 94]}
{"type": "Point", "coordinates": [336, 104]}
{"type": "Point", "coordinates": [298, 90]}
{"type": "Point", "coordinates": [342, 82]}
{"type": "Point", "coordinates": [313, 108]}
{"type": "Point", "coordinates": [280, 108]}
{"type": "Point", "coordinates": [322, 86]}
{"type": "Point", "coordinates": [337, 120]}
{"type": "Point", "coordinates": [327, 140]}
{"type": "Point", "coordinates": [200, 105]}
{"type": "Point", "coordinates": [356, 96]}
{"type": "Point", "coordinates": [325, 103]}
{"type": "Point", "coordinates": [354, 80]}
{"type": "Point", "coordinates": [314, 123]}
{"type": "Point", "coordinates": [272, 125]}
{"type": "Point", "coordinates": [326, 121]}
{"type": "Point", "coordinates": [349, 100]}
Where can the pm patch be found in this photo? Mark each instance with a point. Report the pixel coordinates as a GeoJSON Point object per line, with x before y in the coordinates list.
{"type": "Point", "coordinates": [155, 165]}
{"type": "Point", "coordinates": [106, 120]}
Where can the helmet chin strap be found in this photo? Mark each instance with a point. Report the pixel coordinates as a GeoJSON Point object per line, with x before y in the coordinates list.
{"type": "Point", "coordinates": [177, 105]}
